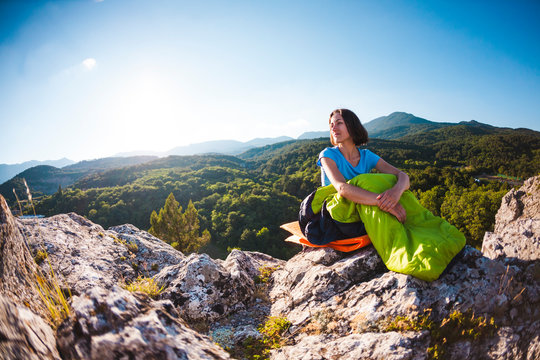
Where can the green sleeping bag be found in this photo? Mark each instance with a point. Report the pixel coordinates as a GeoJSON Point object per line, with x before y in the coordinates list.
{"type": "Point", "coordinates": [422, 246]}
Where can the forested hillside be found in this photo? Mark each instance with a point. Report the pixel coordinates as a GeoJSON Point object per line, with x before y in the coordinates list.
{"type": "Point", "coordinates": [514, 152]}
{"type": "Point", "coordinates": [7, 171]}
{"type": "Point", "coordinates": [242, 200]}
{"type": "Point", "coordinates": [46, 180]}
{"type": "Point", "coordinates": [399, 124]}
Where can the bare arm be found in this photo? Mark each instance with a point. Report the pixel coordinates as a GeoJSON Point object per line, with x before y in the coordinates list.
{"type": "Point", "coordinates": [361, 196]}
{"type": "Point", "coordinates": [348, 191]}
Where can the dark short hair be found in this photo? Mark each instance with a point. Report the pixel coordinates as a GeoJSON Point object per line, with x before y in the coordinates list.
{"type": "Point", "coordinates": [355, 128]}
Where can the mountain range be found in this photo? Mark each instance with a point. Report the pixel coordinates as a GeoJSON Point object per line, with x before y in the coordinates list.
{"type": "Point", "coordinates": [7, 171]}
{"type": "Point", "coordinates": [46, 177]}
{"type": "Point", "coordinates": [393, 126]}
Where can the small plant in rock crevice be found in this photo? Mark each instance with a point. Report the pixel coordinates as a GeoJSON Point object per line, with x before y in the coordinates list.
{"type": "Point", "coordinates": [265, 274]}
{"type": "Point", "coordinates": [48, 288]}
{"type": "Point", "coordinates": [118, 240]}
{"type": "Point", "coordinates": [455, 327]}
{"type": "Point", "coordinates": [146, 285]}
{"type": "Point", "coordinates": [273, 329]}
{"type": "Point", "coordinates": [224, 337]}
{"type": "Point", "coordinates": [261, 282]}
{"type": "Point", "coordinates": [405, 323]}
{"type": "Point", "coordinates": [271, 337]}
{"type": "Point", "coordinates": [132, 247]}
{"type": "Point", "coordinates": [41, 255]}
{"type": "Point", "coordinates": [53, 296]}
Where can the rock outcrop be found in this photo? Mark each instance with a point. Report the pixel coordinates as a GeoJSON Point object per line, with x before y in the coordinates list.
{"type": "Point", "coordinates": [85, 255]}
{"type": "Point", "coordinates": [341, 306]}
{"type": "Point", "coordinates": [517, 225]}
{"type": "Point", "coordinates": [205, 290]}
{"type": "Point", "coordinates": [116, 324]}
{"type": "Point", "coordinates": [17, 266]}
{"type": "Point", "coordinates": [348, 301]}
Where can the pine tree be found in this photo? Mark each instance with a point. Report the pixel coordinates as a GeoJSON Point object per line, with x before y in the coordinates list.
{"type": "Point", "coordinates": [181, 230]}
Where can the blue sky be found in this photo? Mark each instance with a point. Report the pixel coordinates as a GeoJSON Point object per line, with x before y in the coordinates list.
{"type": "Point", "coordinates": [85, 79]}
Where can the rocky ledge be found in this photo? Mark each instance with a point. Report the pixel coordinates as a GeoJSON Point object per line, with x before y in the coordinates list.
{"type": "Point", "coordinates": [338, 306]}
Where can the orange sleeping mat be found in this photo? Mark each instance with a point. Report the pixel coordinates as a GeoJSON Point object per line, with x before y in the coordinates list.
{"type": "Point", "coordinates": [345, 245]}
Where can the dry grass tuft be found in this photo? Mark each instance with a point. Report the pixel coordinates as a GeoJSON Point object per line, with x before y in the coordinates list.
{"type": "Point", "coordinates": [146, 285]}
{"type": "Point", "coordinates": [48, 288]}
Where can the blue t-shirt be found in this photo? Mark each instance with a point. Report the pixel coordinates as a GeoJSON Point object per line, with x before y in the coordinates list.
{"type": "Point", "coordinates": [368, 161]}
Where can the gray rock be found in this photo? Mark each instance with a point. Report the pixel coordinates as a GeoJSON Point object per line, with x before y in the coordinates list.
{"type": "Point", "coordinates": [249, 263]}
{"type": "Point", "coordinates": [24, 335]}
{"type": "Point", "coordinates": [152, 254]}
{"type": "Point", "coordinates": [508, 343]}
{"type": "Point", "coordinates": [18, 269]}
{"type": "Point", "coordinates": [368, 346]}
{"type": "Point", "coordinates": [205, 290]}
{"type": "Point", "coordinates": [315, 276]}
{"type": "Point", "coordinates": [333, 299]}
{"type": "Point", "coordinates": [517, 225]}
{"type": "Point", "coordinates": [85, 255]}
{"type": "Point", "coordinates": [117, 324]}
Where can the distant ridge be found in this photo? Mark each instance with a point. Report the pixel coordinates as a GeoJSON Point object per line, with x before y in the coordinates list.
{"type": "Point", "coordinates": [267, 141]}
{"type": "Point", "coordinates": [399, 124]}
{"type": "Point", "coordinates": [390, 127]}
{"type": "Point", "coordinates": [468, 143]}
{"type": "Point", "coordinates": [228, 147]}
{"type": "Point", "coordinates": [314, 135]}
{"type": "Point", "coordinates": [109, 163]}
{"type": "Point", "coordinates": [45, 179]}
{"type": "Point", "coordinates": [7, 171]}
{"type": "Point", "coordinates": [42, 180]}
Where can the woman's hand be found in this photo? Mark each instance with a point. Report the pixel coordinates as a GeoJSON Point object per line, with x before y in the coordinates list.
{"type": "Point", "coordinates": [399, 212]}
{"type": "Point", "coordinates": [389, 199]}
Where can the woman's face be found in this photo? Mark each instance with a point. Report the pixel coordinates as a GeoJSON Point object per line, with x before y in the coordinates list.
{"type": "Point", "coordinates": [338, 129]}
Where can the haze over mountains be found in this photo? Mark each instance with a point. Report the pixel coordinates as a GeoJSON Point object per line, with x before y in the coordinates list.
{"type": "Point", "coordinates": [392, 127]}
{"type": "Point", "coordinates": [231, 147]}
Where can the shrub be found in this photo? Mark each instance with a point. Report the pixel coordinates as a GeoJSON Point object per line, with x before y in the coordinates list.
{"type": "Point", "coordinates": [273, 329]}
{"type": "Point", "coordinates": [265, 273]}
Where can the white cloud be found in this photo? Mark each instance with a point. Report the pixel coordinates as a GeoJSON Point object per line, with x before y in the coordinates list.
{"type": "Point", "coordinates": [89, 63]}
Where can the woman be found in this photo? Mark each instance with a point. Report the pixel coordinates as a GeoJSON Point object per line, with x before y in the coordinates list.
{"type": "Point", "coordinates": [345, 160]}
{"type": "Point", "coordinates": [422, 246]}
